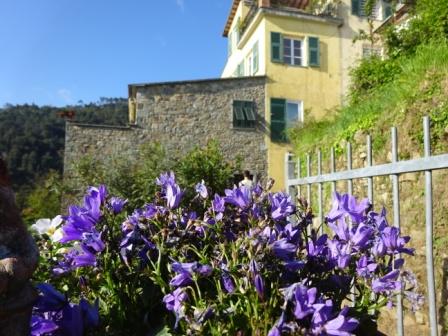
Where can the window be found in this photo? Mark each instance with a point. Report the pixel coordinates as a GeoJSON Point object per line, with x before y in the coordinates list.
{"type": "Point", "coordinates": [249, 65]}
{"type": "Point", "coordinates": [284, 114]}
{"type": "Point", "coordinates": [252, 61]}
{"type": "Point", "coordinates": [359, 8]}
{"type": "Point", "coordinates": [292, 51]}
{"type": "Point", "coordinates": [229, 45]}
{"type": "Point", "coordinates": [255, 58]}
{"type": "Point", "coordinates": [244, 115]}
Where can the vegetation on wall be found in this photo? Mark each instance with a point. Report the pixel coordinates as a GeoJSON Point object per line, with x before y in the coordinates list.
{"type": "Point", "coordinates": [135, 180]}
{"type": "Point", "coordinates": [383, 90]}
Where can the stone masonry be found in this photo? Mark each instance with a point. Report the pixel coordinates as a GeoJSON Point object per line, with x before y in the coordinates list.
{"type": "Point", "coordinates": [180, 116]}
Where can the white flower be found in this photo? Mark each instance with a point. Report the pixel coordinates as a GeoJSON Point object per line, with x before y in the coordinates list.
{"type": "Point", "coordinates": [49, 227]}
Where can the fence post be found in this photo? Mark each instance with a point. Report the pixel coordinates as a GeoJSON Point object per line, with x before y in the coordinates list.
{"type": "Point", "coordinates": [369, 164]}
{"type": "Point", "coordinates": [320, 200]}
{"type": "Point", "coordinates": [286, 172]}
{"type": "Point", "coordinates": [396, 207]}
{"type": "Point", "coordinates": [429, 232]}
{"type": "Point", "coordinates": [299, 175]}
{"type": "Point", "coordinates": [349, 167]}
{"type": "Point", "coordinates": [333, 169]}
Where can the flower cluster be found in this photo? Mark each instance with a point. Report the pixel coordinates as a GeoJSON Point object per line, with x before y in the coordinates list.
{"type": "Point", "coordinates": [82, 228]}
{"type": "Point", "coordinates": [248, 261]}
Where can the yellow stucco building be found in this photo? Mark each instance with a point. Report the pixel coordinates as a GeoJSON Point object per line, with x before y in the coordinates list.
{"type": "Point", "coordinates": [305, 55]}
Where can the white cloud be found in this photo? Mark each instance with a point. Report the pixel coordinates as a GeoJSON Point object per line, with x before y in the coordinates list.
{"type": "Point", "coordinates": [181, 4]}
{"type": "Point", "coordinates": [66, 96]}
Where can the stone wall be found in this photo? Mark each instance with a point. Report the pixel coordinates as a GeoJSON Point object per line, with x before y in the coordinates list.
{"type": "Point", "coordinates": [186, 114]}
{"type": "Point", "coordinates": [180, 116]}
{"type": "Point", "coordinates": [100, 142]}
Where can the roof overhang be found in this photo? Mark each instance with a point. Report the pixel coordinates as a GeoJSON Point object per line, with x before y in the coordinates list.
{"type": "Point", "coordinates": [232, 13]}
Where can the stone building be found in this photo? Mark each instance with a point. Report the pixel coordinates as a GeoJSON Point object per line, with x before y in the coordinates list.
{"type": "Point", "coordinates": [181, 115]}
{"type": "Point", "coordinates": [285, 58]}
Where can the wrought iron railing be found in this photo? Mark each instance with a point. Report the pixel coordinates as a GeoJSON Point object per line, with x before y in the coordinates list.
{"type": "Point", "coordinates": [426, 164]}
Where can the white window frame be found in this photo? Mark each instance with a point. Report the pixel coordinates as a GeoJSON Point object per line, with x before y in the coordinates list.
{"type": "Point", "coordinates": [300, 115]}
{"type": "Point", "coordinates": [249, 64]}
{"type": "Point", "coordinates": [293, 56]}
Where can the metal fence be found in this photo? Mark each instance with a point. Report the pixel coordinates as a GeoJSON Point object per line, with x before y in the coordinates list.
{"type": "Point", "coordinates": [427, 163]}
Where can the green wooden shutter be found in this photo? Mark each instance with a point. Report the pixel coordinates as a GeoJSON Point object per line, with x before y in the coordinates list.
{"type": "Point", "coordinates": [278, 124]}
{"type": "Point", "coordinates": [356, 7]}
{"type": "Point", "coordinates": [276, 47]}
{"type": "Point", "coordinates": [238, 114]}
{"type": "Point", "coordinates": [255, 57]}
{"type": "Point", "coordinates": [313, 51]}
{"type": "Point", "coordinates": [387, 10]}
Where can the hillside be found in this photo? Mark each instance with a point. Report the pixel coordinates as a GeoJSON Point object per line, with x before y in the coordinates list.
{"type": "Point", "coordinates": [419, 88]}
{"type": "Point", "coordinates": [32, 137]}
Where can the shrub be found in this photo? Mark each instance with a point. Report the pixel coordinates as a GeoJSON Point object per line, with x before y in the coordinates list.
{"type": "Point", "coordinates": [248, 263]}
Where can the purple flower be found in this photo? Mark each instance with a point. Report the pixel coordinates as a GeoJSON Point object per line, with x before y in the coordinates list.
{"type": "Point", "coordinates": [204, 270]}
{"type": "Point", "coordinates": [316, 248]}
{"type": "Point", "coordinates": [77, 222]}
{"type": "Point", "coordinates": [340, 228]}
{"type": "Point", "coordinates": [184, 267]}
{"type": "Point", "coordinates": [283, 250]}
{"type": "Point", "coordinates": [218, 203]}
{"type": "Point", "coordinates": [322, 313]}
{"type": "Point", "coordinates": [361, 235]}
{"type": "Point", "coordinates": [227, 282]}
{"type": "Point", "coordinates": [340, 253]}
{"type": "Point", "coordinates": [259, 286]}
{"type": "Point", "coordinates": [117, 204]}
{"type": "Point", "coordinates": [50, 299]}
{"type": "Point", "coordinates": [291, 233]}
{"type": "Point", "coordinates": [173, 196]}
{"type": "Point", "coordinates": [340, 326]}
{"type": "Point", "coordinates": [294, 265]}
{"type": "Point", "coordinates": [181, 280]}
{"type": "Point", "coordinates": [304, 299]}
{"type": "Point", "coordinates": [93, 200]}
{"type": "Point", "coordinates": [277, 329]}
{"type": "Point", "coordinates": [393, 242]}
{"type": "Point", "coordinates": [92, 241]}
{"type": "Point", "coordinates": [41, 326]}
{"type": "Point", "coordinates": [378, 248]}
{"type": "Point", "coordinates": [186, 271]}
{"type": "Point", "coordinates": [91, 314]}
{"type": "Point", "coordinates": [281, 206]}
{"type": "Point", "coordinates": [253, 268]}
{"type": "Point", "coordinates": [174, 302]}
{"type": "Point", "coordinates": [269, 234]}
{"type": "Point", "coordinates": [387, 283]}
{"type": "Point", "coordinates": [346, 205]}
{"type": "Point", "coordinates": [84, 259]}
{"type": "Point", "coordinates": [201, 189]}
{"type": "Point", "coordinates": [166, 179]}
{"type": "Point", "coordinates": [239, 197]}
{"type": "Point", "coordinates": [364, 268]}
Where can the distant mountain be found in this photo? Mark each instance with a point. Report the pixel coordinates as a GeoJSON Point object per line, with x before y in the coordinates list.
{"type": "Point", "coordinates": [32, 137]}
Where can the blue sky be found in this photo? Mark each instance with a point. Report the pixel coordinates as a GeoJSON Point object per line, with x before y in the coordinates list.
{"type": "Point", "coordinates": [57, 52]}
